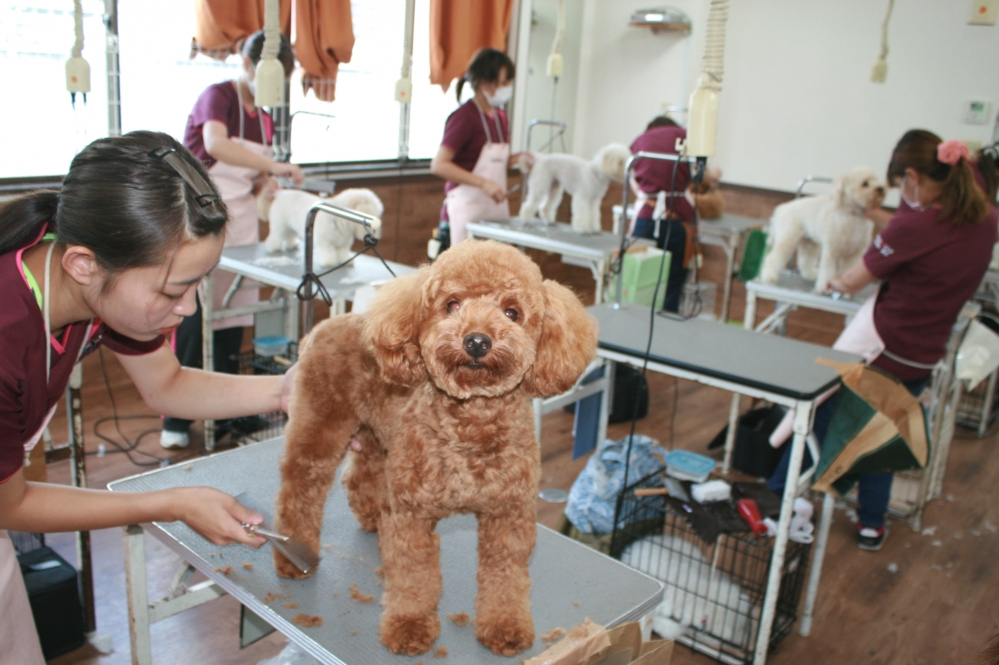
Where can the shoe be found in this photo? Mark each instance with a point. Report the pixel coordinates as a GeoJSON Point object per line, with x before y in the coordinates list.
{"type": "Point", "coordinates": [173, 440]}
{"type": "Point", "coordinates": [871, 539]}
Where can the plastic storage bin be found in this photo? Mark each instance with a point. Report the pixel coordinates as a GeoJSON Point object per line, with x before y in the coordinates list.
{"type": "Point", "coordinates": [640, 272]}
{"type": "Point", "coordinates": [686, 465]}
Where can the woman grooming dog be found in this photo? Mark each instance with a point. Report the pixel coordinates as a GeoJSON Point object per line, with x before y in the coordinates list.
{"type": "Point", "coordinates": [233, 137]}
{"type": "Point", "coordinates": [930, 257]}
{"type": "Point", "coordinates": [111, 259]}
{"type": "Point", "coordinates": [475, 152]}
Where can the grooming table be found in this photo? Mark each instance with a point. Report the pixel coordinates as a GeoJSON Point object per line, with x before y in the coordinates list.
{"type": "Point", "coordinates": [793, 291]}
{"type": "Point", "coordinates": [726, 232]}
{"type": "Point", "coordinates": [570, 581]}
{"type": "Point", "coordinates": [283, 271]}
{"type": "Point", "coordinates": [589, 250]}
{"type": "Point", "coordinates": [773, 368]}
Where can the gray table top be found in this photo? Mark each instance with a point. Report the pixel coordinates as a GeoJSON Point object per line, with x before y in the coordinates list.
{"type": "Point", "coordinates": [791, 287]}
{"type": "Point", "coordinates": [558, 237]}
{"type": "Point", "coordinates": [776, 364]}
{"type": "Point", "coordinates": [570, 581]}
{"type": "Point", "coordinates": [284, 269]}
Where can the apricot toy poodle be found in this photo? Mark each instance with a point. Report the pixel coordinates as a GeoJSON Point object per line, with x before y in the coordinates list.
{"type": "Point", "coordinates": [436, 380]}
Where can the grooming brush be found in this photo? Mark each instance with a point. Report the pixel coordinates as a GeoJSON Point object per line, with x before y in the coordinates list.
{"type": "Point", "coordinates": [297, 552]}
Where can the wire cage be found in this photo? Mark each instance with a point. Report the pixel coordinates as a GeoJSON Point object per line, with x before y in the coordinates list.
{"type": "Point", "coordinates": [25, 542]}
{"type": "Point", "coordinates": [714, 592]}
{"type": "Point", "coordinates": [977, 408]}
{"type": "Point", "coordinates": [266, 425]}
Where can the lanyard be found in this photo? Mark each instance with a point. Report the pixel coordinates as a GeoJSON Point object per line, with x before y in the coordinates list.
{"type": "Point", "coordinates": [47, 318]}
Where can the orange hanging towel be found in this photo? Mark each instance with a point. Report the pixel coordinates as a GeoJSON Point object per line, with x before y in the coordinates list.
{"type": "Point", "coordinates": [324, 37]}
{"type": "Point", "coordinates": [459, 28]}
{"type": "Point", "coordinates": [220, 25]}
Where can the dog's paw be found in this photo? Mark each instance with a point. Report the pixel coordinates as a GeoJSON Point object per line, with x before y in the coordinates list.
{"type": "Point", "coordinates": [506, 634]}
{"type": "Point", "coordinates": [285, 568]}
{"type": "Point", "coordinates": [410, 634]}
{"type": "Point", "coordinates": [272, 244]}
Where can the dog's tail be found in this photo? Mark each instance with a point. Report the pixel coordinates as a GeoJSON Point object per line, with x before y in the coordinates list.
{"type": "Point", "coordinates": [262, 204]}
{"type": "Point", "coordinates": [525, 162]}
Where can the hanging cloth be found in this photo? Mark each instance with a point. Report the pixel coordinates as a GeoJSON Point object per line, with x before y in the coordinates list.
{"type": "Point", "coordinates": [220, 25]}
{"type": "Point", "coordinates": [324, 38]}
{"type": "Point", "coordinates": [459, 28]}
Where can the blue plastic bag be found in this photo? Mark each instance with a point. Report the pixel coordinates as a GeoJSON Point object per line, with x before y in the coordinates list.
{"type": "Point", "coordinates": [593, 496]}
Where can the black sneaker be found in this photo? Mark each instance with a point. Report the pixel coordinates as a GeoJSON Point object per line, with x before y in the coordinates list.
{"type": "Point", "coordinates": [871, 539]}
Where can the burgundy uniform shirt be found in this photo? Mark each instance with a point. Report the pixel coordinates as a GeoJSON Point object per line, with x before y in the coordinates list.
{"type": "Point", "coordinates": [220, 102]}
{"type": "Point", "coordinates": [929, 268]}
{"type": "Point", "coordinates": [25, 400]}
{"type": "Point", "coordinates": [464, 134]}
{"type": "Point", "coordinates": [655, 175]}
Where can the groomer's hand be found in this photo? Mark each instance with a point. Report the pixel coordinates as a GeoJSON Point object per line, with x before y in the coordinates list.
{"type": "Point", "coordinates": [289, 378]}
{"type": "Point", "coordinates": [493, 191]}
{"type": "Point", "coordinates": [216, 515]}
{"type": "Point", "coordinates": [288, 170]}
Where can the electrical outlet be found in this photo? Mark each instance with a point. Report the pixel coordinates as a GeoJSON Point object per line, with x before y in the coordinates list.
{"type": "Point", "coordinates": [977, 112]}
{"type": "Point", "coordinates": [983, 12]}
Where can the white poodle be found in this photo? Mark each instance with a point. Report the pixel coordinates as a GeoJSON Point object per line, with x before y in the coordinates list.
{"type": "Point", "coordinates": [586, 182]}
{"type": "Point", "coordinates": [829, 232]}
{"type": "Point", "coordinates": [333, 236]}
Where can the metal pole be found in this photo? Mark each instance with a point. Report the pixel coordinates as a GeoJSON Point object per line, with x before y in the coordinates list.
{"type": "Point", "coordinates": [111, 51]}
{"type": "Point", "coordinates": [407, 71]}
{"type": "Point", "coordinates": [78, 470]}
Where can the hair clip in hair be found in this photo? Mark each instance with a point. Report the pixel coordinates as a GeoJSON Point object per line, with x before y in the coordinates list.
{"type": "Point", "coordinates": [188, 174]}
{"type": "Point", "coordinates": [953, 151]}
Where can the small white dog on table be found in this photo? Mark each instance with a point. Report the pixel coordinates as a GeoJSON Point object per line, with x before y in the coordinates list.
{"type": "Point", "coordinates": [549, 176]}
{"type": "Point", "coordinates": [830, 232]}
{"type": "Point", "coordinates": [333, 237]}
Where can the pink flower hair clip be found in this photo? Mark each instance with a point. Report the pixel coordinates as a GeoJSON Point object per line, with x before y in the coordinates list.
{"type": "Point", "coordinates": [953, 151]}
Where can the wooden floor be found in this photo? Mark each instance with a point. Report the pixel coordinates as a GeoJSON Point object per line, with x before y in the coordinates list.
{"type": "Point", "coordinates": [939, 608]}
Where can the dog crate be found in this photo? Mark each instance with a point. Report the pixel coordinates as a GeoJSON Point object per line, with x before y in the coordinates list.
{"type": "Point", "coordinates": [25, 542]}
{"type": "Point", "coordinates": [714, 592]}
{"type": "Point", "coordinates": [251, 429]}
{"type": "Point", "coordinates": [977, 408]}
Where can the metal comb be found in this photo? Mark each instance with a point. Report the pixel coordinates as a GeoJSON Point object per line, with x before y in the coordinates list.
{"type": "Point", "coordinates": [297, 552]}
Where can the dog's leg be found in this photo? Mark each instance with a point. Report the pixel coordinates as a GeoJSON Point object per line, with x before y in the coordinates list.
{"type": "Point", "coordinates": [317, 438]}
{"type": "Point", "coordinates": [363, 478]}
{"type": "Point", "coordinates": [275, 238]}
{"type": "Point", "coordinates": [552, 203]}
{"type": "Point", "coordinates": [503, 620]}
{"type": "Point", "coordinates": [410, 552]}
{"type": "Point", "coordinates": [784, 243]}
{"type": "Point", "coordinates": [827, 269]}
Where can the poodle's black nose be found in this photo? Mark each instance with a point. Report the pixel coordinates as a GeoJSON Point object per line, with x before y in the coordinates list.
{"type": "Point", "coordinates": [477, 345]}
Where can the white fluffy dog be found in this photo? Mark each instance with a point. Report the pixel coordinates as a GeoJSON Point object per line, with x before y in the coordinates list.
{"type": "Point", "coordinates": [829, 232]}
{"type": "Point", "coordinates": [333, 236]}
{"type": "Point", "coordinates": [586, 181]}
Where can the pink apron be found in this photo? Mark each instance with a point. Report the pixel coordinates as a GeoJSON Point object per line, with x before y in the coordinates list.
{"type": "Point", "coordinates": [235, 184]}
{"type": "Point", "coordinates": [466, 203]}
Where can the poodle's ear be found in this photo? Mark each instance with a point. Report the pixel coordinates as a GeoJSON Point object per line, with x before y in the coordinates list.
{"type": "Point", "coordinates": [568, 343]}
{"type": "Point", "coordinates": [392, 326]}
{"type": "Point", "coordinates": [839, 190]}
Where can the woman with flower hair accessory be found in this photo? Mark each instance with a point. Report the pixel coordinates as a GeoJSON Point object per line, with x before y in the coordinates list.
{"type": "Point", "coordinates": [930, 256]}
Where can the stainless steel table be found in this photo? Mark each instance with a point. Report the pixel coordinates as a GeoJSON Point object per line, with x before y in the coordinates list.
{"type": "Point", "coordinates": [284, 272]}
{"type": "Point", "coordinates": [726, 232]}
{"type": "Point", "coordinates": [570, 581]}
{"type": "Point", "coordinates": [590, 250]}
{"type": "Point", "coordinates": [744, 362]}
{"type": "Point", "coordinates": [793, 291]}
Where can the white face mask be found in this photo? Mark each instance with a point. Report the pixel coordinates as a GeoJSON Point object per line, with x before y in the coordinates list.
{"type": "Point", "coordinates": [502, 96]}
{"type": "Point", "coordinates": [914, 204]}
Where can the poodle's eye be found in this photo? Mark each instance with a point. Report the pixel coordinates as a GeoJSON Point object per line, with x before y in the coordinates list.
{"type": "Point", "coordinates": [453, 306]}
{"type": "Point", "coordinates": [511, 313]}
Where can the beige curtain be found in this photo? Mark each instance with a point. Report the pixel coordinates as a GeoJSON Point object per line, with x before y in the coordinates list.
{"type": "Point", "coordinates": [459, 28]}
{"type": "Point", "coordinates": [324, 37]}
{"type": "Point", "coordinates": [220, 25]}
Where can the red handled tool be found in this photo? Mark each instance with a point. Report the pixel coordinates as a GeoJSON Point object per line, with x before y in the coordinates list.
{"type": "Point", "coordinates": [750, 512]}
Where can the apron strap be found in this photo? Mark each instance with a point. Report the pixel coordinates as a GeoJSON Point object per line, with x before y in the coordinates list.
{"type": "Point", "coordinates": [485, 126]}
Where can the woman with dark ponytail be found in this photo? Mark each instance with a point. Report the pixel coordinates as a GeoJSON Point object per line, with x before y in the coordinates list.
{"type": "Point", "coordinates": [475, 153]}
{"type": "Point", "coordinates": [113, 259]}
{"type": "Point", "coordinates": [930, 257]}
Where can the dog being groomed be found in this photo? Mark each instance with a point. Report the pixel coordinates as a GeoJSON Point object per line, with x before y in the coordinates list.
{"type": "Point", "coordinates": [436, 380]}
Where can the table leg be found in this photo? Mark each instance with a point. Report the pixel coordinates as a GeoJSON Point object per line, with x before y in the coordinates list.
{"type": "Point", "coordinates": [138, 595]}
{"type": "Point", "coordinates": [990, 394]}
{"type": "Point", "coordinates": [802, 425]}
{"type": "Point", "coordinates": [208, 348]}
{"type": "Point", "coordinates": [733, 429]}
{"type": "Point", "coordinates": [598, 268]}
{"type": "Point", "coordinates": [749, 317]}
{"type": "Point", "coordinates": [821, 541]}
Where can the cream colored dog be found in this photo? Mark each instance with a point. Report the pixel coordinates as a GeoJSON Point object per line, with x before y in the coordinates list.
{"type": "Point", "coordinates": [586, 182]}
{"type": "Point", "coordinates": [829, 232]}
{"type": "Point", "coordinates": [333, 236]}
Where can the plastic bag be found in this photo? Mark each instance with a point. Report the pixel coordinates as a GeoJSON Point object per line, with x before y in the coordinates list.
{"type": "Point", "coordinates": [292, 654]}
{"type": "Point", "coordinates": [593, 497]}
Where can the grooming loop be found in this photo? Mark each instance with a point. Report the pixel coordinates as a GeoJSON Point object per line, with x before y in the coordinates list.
{"type": "Point", "coordinates": [714, 592]}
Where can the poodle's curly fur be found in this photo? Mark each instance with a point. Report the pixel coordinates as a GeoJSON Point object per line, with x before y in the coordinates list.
{"type": "Point", "coordinates": [436, 380]}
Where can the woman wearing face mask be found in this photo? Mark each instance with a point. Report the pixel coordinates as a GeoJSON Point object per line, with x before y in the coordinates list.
{"type": "Point", "coordinates": [475, 153]}
{"type": "Point", "coordinates": [930, 257]}
{"type": "Point", "coordinates": [233, 137]}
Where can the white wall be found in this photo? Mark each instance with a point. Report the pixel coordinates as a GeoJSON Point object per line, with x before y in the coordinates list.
{"type": "Point", "coordinates": [796, 96]}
